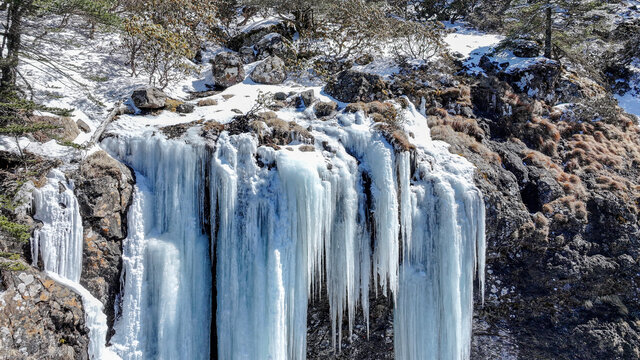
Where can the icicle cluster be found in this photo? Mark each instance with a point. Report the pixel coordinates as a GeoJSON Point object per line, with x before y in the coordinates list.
{"type": "Point", "coordinates": [284, 223]}
{"type": "Point", "coordinates": [58, 243]}
{"type": "Point", "coordinates": [166, 304]}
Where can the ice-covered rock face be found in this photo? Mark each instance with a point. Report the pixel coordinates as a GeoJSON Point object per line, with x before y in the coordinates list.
{"type": "Point", "coordinates": [274, 227]}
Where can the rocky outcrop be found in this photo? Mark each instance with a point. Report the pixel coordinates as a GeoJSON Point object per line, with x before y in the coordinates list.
{"type": "Point", "coordinates": [39, 319]}
{"type": "Point", "coordinates": [228, 69]}
{"type": "Point", "coordinates": [274, 44]}
{"type": "Point", "coordinates": [537, 77]}
{"type": "Point", "coordinates": [353, 86]}
{"type": "Point", "coordinates": [270, 71]}
{"type": "Point", "coordinates": [150, 98]}
{"type": "Point", "coordinates": [104, 188]}
{"type": "Point", "coordinates": [252, 36]}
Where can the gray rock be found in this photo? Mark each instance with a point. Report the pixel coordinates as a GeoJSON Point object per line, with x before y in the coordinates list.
{"type": "Point", "coordinates": [306, 98]}
{"type": "Point", "coordinates": [39, 318]}
{"type": "Point", "coordinates": [247, 54]}
{"type": "Point", "coordinates": [274, 44]}
{"type": "Point", "coordinates": [228, 69]}
{"type": "Point", "coordinates": [537, 80]}
{"type": "Point", "coordinates": [83, 126]}
{"type": "Point", "coordinates": [251, 37]}
{"type": "Point", "coordinates": [149, 98]}
{"type": "Point", "coordinates": [352, 86]}
{"type": "Point", "coordinates": [522, 47]}
{"type": "Point", "coordinates": [280, 96]}
{"type": "Point", "coordinates": [270, 71]}
{"type": "Point", "coordinates": [104, 189]}
{"type": "Point", "coordinates": [322, 109]}
{"type": "Point", "coordinates": [185, 108]}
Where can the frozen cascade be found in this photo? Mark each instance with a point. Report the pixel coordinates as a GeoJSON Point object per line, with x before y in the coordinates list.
{"type": "Point", "coordinates": [59, 244]}
{"type": "Point", "coordinates": [166, 304]}
{"type": "Point", "coordinates": [59, 241]}
{"type": "Point", "coordinates": [286, 224]}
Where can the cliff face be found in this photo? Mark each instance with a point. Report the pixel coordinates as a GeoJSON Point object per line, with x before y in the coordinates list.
{"type": "Point", "coordinates": [39, 319]}
{"type": "Point", "coordinates": [559, 172]}
{"type": "Point", "coordinates": [558, 164]}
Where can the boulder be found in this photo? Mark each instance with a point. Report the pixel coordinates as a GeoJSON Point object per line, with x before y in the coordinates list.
{"type": "Point", "coordinates": [274, 44]}
{"type": "Point", "coordinates": [66, 128]}
{"type": "Point", "coordinates": [352, 86]}
{"type": "Point", "coordinates": [537, 78]}
{"type": "Point", "coordinates": [83, 126]}
{"type": "Point", "coordinates": [247, 54]}
{"type": "Point", "coordinates": [185, 108]}
{"type": "Point", "coordinates": [228, 69]}
{"type": "Point", "coordinates": [322, 109]}
{"type": "Point", "coordinates": [149, 98]}
{"type": "Point", "coordinates": [270, 71]}
{"type": "Point", "coordinates": [252, 36]}
{"type": "Point", "coordinates": [280, 96]}
{"type": "Point", "coordinates": [208, 102]}
{"type": "Point", "coordinates": [306, 98]}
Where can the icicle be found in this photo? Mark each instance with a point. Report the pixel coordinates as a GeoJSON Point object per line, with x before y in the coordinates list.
{"type": "Point", "coordinates": [284, 223]}
{"type": "Point", "coordinates": [59, 241]}
{"type": "Point", "coordinates": [167, 269]}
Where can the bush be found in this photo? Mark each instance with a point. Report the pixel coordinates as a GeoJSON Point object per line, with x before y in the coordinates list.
{"type": "Point", "coordinates": [415, 40]}
{"type": "Point", "coordinates": [19, 232]}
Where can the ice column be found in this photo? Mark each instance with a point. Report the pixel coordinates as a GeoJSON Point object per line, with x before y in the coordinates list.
{"type": "Point", "coordinates": [167, 269]}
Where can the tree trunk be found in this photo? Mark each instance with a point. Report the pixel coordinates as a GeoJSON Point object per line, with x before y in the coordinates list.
{"type": "Point", "coordinates": [13, 36]}
{"type": "Point", "coordinates": [547, 38]}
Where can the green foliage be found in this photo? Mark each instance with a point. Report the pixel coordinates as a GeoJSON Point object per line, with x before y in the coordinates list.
{"type": "Point", "coordinates": [13, 266]}
{"type": "Point", "coordinates": [10, 256]}
{"type": "Point", "coordinates": [71, 144]}
{"type": "Point", "coordinates": [98, 11]}
{"type": "Point", "coordinates": [17, 129]}
{"type": "Point", "coordinates": [19, 232]}
{"type": "Point", "coordinates": [564, 31]}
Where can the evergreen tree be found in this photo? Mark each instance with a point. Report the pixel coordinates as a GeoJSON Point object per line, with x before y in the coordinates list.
{"type": "Point", "coordinates": [551, 20]}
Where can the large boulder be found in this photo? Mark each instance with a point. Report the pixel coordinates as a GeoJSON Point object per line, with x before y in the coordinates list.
{"type": "Point", "coordinates": [352, 86]}
{"type": "Point", "coordinates": [251, 36]}
{"type": "Point", "coordinates": [104, 190]}
{"type": "Point", "coordinates": [228, 69]}
{"type": "Point", "coordinates": [270, 71]}
{"type": "Point", "coordinates": [537, 77]}
{"type": "Point", "coordinates": [149, 98]}
{"type": "Point", "coordinates": [274, 44]}
{"type": "Point", "coordinates": [39, 318]}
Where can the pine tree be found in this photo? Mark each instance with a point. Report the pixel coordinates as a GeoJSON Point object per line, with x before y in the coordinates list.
{"type": "Point", "coordinates": [550, 20]}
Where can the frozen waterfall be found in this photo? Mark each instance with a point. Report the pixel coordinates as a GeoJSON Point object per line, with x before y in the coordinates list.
{"type": "Point", "coordinates": [59, 244]}
{"type": "Point", "coordinates": [166, 305]}
{"type": "Point", "coordinates": [269, 228]}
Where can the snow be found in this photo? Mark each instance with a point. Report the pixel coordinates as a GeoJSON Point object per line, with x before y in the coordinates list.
{"type": "Point", "coordinates": [468, 42]}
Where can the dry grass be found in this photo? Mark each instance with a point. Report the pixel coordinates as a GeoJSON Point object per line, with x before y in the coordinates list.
{"type": "Point", "coordinates": [272, 130]}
